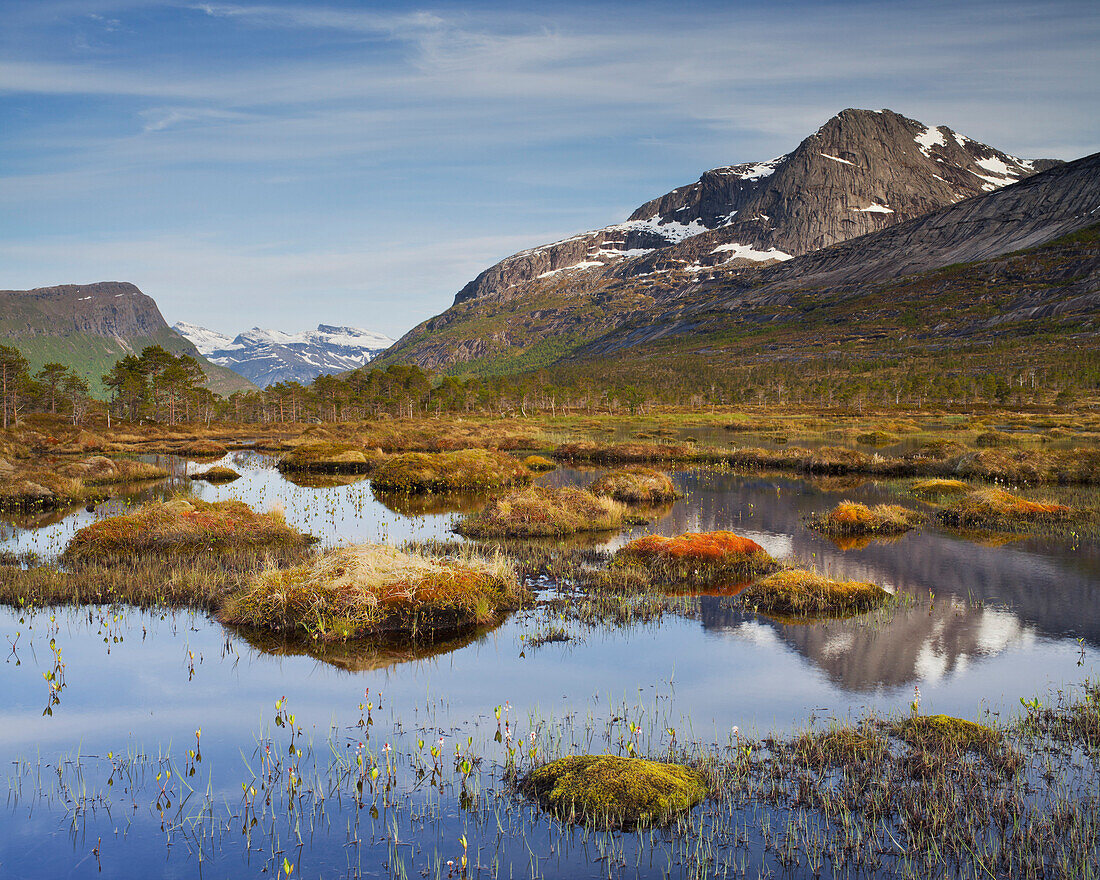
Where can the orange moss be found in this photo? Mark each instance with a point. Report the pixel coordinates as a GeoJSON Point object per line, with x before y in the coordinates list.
{"type": "Point", "coordinates": [691, 546]}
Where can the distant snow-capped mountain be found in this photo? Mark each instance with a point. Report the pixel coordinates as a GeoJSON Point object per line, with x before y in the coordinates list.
{"type": "Point", "coordinates": [269, 356]}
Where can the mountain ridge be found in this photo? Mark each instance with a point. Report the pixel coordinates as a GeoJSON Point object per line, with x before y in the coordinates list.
{"type": "Point", "coordinates": [266, 357]}
{"type": "Point", "coordinates": [861, 172]}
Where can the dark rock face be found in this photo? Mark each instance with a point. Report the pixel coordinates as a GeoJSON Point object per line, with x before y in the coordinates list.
{"type": "Point", "coordinates": [115, 309]}
{"type": "Point", "coordinates": [862, 171]}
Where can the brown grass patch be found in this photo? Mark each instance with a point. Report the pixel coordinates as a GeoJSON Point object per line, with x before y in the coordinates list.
{"type": "Point", "coordinates": [623, 453]}
{"type": "Point", "coordinates": [798, 593]}
{"type": "Point", "coordinates": [635, 484]}
{"type": "Point", "coordinates": [539, 511]}
{"type": "Point", "coordinates": [203, 449]}
{"type": "Point", "coordinates": [850, 518]}
{"type": "Point", "coordinates": [183, 527]}
{"type": "Point", "coordinates": [369, 589]}
{"type": "Point", "coordinates": [995, 508]}
{"type": "Point", "coordinates": [464, 470]}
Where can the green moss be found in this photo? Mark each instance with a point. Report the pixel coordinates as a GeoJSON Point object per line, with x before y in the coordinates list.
{"type": "Point", "coordinates": [217, 475]}
{"type": "Point", "coordinates": [611, 791]}
{"type": "Point", "coordinates": [326, 457]}
{"type": "Point", "coordinates": [946, 731]}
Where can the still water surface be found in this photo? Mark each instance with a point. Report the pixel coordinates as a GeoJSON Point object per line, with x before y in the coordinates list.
{"type": "Point", "coordinates": [991, 624]}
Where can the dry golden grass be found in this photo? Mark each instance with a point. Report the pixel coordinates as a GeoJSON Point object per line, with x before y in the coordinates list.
{"type": "Point", "coordinates": [850, 518]}
{"type": "Point", "coordinates": [101, 471]}
{"type": "Point", "coordinates": [635, 484]}
{"type": "Point", "coordinates": [798, 593]}
{"type": "Point", "coordinates": [462, 471]}
{"type": "Point", "coordinates": [539, 511]}
{"type": "Point", "coordinates": [623, 453]}
{"type": "Point", "coordinates": [183, 527]}
{"type": "Point", "coordinates": [995, 508]}
{"type": "Point", "coordinates": [369, 589]}
{"type": "Point", "coordinates": [936, 487]}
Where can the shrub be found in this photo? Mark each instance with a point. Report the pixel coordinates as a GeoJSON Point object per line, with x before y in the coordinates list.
{"type": "Point", "coordinates": [368, 589]}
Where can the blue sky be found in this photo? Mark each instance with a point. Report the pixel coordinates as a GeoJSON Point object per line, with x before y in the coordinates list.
{"type": "Point", "coordinates": [284, 164]}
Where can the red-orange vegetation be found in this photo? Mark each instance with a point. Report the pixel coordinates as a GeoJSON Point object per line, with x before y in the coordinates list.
{"type": "Point", "coordinates": [692, 546]}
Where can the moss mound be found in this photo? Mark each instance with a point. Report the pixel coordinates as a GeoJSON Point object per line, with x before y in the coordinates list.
{"type": "Point", "coordinates": [464, 470]}
{"type": "Point", "coordinates": [539, 511]}
{"type": "Point", "coordinates": [798, 593]}
{"type": "Point", "coordinates": [620, 453]}
{"type": "Point", "coordinates": [995, 508]}
{"type": "Point", "coordinates": [185, 527]}
{"type": "Point", "coordinates": [937, 487]}
{"type": "Point", "coordinates": [851, 518]}
{"type": "Point", "coordinates": [991, 439]}
{"type": "Point", "coordinates": [946, 732]}
{"type": "Point", "coordinates": [690, 560]}
{"type": "Point", "coordinates": [369, 589]}
{"type": "Point", "coordinates": [201, 449]}
{"type": "Point", "coordinates": [876, 438]}
{"type": "Point", "coordinates": [326, 457]}
{"type": "Point", "coordinates": [217, 475]}
{"type": "Point", "coordinates": [635, 484]}
{"type": "Point", "coordinates": [540, 464]}
{"type": "Point", "coordinates": [610, 791]}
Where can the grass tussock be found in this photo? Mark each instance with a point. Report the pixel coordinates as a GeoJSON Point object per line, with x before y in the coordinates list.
{"type": "Point", "coordinates": [946, 732]}
{"type": "Point", "coordinates": [635, 484]}
{"type": "Point", "coordinates": [610, 791]}
{"type": "Point", "coordinates": [217, 474]}
{"type": "Point", "coordinates": [540, 464]}
{"type": "Point", "coordinates": [203, 449]}
{"type": "Point", "coordinates": [540, 511]}
{"type": "Point", "coordinates": [327, 457]}
{"type": "Point", "coordinates": [690, 561]}
{"type": "Point", "coordinates": [623, 453]}
{"type": "Point", "coordinates": [850, 518]}
{"type": "Point", "coordinates": [938, 487]}
{"type": "Point", "coordinates": [991, 508]}
{"type": "Point", "coordinates": [43, 484]}
{"type": "Point", "coordinates": [183, 527]}
{"type": "Point", "coordinates": [799, 593]}
{"type": "Point", "coordinates": [876, 438]}
{"type": "Point", "coordinates": [369, 589]}
{"type": "Point", "coordinates": [466, 470]}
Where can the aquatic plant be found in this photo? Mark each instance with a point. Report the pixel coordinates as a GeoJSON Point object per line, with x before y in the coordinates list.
{"type": "Point", "coordinates": [635, 484]}
{"type": "Point", "coordinates": [464, 470]}
{"type": "Point", "coordinates": [613, 791]}
{"type": "Point", "coordinates": [540, 511]}
{"type": "Point", "coordinates": [369, 589]}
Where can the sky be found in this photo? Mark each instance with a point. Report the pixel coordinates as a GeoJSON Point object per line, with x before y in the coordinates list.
{"type": "Point", "coordinates": [284, 164]}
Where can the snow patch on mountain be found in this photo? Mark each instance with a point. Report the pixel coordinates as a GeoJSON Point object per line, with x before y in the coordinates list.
{"type": "Point", "coordinates": [267, 356]}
